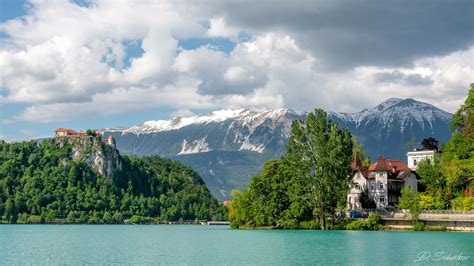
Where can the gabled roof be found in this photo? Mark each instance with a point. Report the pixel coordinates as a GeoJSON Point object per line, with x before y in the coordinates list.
{"type": "Point", "coordinates": [380, 165]}
{"type": "Point", "coordinates": [357, 166]}
{"type": "Point", "coordinates": [384, 165]}
{"type": "Point", "coordinates": [396, 169]}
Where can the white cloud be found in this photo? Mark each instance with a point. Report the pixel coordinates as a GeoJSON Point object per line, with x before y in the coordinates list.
{"type": "Point", "coordinates": [68, 62]}
{"type": "Point", "coordinates": [219, 28]}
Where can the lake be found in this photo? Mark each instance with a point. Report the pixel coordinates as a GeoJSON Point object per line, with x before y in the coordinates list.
{"type": "Point", "coordinates": [198, 244]}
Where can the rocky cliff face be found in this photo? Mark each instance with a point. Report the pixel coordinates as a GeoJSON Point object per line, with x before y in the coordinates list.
{"type": "Point", "coordinates": [103, 158]}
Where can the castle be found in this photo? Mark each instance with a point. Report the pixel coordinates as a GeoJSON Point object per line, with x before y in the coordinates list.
{"type": "Point", "coordinates": [65, 132]}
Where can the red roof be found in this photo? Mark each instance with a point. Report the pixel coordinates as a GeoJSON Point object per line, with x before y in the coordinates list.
{"type": "Point", "coordinates": [69, 131]}
{"type": "Point", "coordinates": [397, 169]}
{"type": "Point", "coordinates": [380, 165]}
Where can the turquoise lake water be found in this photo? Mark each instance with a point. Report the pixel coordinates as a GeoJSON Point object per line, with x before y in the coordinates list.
{"type": "Point", "coordinates": [217, 245]}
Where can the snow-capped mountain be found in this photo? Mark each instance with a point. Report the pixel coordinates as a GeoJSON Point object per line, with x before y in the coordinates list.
{"type": "Point", "coordinates": [228, 147]}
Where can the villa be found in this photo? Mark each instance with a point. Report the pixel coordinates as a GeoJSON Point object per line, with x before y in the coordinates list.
{"type": "Point", "coordinates": [382, 182]}
{"type": "Point", "coordinates": [416, 156]}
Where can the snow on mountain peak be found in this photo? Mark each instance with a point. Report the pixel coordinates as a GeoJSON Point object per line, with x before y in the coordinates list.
{"type": "Point", "coordinates": [179, 122]}
{"type": "Point", "coordinates": [385, 113]}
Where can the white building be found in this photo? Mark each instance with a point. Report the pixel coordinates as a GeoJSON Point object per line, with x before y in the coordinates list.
{"type": "Point", "coordinates": [416, 156]}
{"type": "Point", "coordinates": [383, 182]}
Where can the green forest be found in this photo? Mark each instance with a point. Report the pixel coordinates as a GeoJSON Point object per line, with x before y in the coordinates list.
{"type": "Point", "coordinates": [307, 188]}
{"type": "Point", "coordinates": [445, 177]}
{"type": "Point", "coordinates": [41, 183]}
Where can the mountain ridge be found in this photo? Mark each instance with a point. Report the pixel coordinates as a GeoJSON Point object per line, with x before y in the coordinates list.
{"type": "Point", "coordinates": [246, 135]}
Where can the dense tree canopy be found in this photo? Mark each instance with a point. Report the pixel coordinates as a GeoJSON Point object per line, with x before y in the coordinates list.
{"type": "Point", "coordinates": [458, 153]}
{"type": "Point", "coordinates": [42, 180]}
{"type": "Point", "coordinates": [444, 177]}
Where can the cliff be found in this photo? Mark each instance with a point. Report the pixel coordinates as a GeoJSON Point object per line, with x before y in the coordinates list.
{"type": "Point", "coordinates": [103, 158]}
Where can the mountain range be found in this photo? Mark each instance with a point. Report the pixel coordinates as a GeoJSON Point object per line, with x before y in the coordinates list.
{"type": "Point", "coordinates": [228, 147]}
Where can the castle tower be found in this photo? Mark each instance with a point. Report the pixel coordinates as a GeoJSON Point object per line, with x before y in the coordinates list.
{"type": "Point", "coordinates": [111, 141]}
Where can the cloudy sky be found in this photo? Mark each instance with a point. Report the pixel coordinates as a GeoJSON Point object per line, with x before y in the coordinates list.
{"type": "Point", "coordinates": [102, 63]}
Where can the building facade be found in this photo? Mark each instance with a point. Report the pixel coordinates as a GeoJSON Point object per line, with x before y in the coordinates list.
{"type": "Point", "coordinates": [381, 182]}
{"type": "Point", "coordinates": [416, 156]}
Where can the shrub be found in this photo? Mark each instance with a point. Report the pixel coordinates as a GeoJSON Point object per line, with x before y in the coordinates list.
{"type": "Point", "coordinates": [107, 218]}
{"type": "Point", "coordinates": [117, 218]}
{"type": "Point", "coordinates": [419, 227]}
{"type": "Point", "coordinates": [23, 218]}
{"type": "Point", "coordinates": [463, 203]}
{"type": "Point", "coordinates": [357, 225]}
{"type": "Point", "coordinates": [289, 224]}
{"type": "Point", "coordinates": [135, 219]}
{"type": "Point", "coordinates": [71, 218]}
{"type": "Point", "coordinates": [436, 228]}
{"type": "Point", "coordinates": [372, 223]}
{"type": "Point", "coordinates": [309, 225]}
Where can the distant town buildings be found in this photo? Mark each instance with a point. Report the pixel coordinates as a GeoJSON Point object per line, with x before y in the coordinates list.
{"type": "Point", "coordinates": [381, 183]}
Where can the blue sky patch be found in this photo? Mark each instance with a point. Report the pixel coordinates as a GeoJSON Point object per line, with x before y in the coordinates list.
{"type": "Point", "coordinates": [11, 9]}
{"type": "Point", "coordinates": [225, 45]}
{"type": "Point", "coordinates": [133, 49]}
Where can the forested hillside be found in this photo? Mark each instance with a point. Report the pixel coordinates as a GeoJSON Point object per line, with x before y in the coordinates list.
{"type": "Point", "coordinates": [60, 180]}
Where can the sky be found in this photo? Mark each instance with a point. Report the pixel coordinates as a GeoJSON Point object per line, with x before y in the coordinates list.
{"type": "Point", "coordinates": [103, 63]}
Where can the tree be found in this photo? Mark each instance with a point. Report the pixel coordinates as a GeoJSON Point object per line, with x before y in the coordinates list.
{"type": "Point", "coordinates": [366, 201]}
{"type": "Point", "coordinates": [409, 200]}
{"type": "Point", "coordinates": [431, 173]}
{"type": "Point", "coordinates": [2, 208]}
{"type": "Point", "coordinates": [10, 212]}
{"type": "Point", "coordinates": [361, 152]}
{"type": "Point", "coordinates": [458, 153]}
{"type": "Point", "coordinates": [321, 153]}
{"type": "Point", "coordinates": [430, 144]}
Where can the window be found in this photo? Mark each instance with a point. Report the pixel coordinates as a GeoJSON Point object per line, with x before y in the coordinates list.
{"type": "Point", "coordinates": [381, 186]}
{"type": "Point", "coordinates": [382, 199]}
{"type": "Point", "coordinates": [414, 162]}
{"type": "Point", "coordinates": [372, 187]}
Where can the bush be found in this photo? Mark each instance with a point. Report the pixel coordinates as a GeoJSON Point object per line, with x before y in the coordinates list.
{"type": "Point", "coordinates": [135, 219]}
{"type": "Point", "coordinates": [23, 218]}
{"type": "Point", "coordinates": [289, 224]}
{"type": "Point", "coordinates": [117, 218]}
{"type": "Point", "coordinates": [419, 227]}
{"type": "Point", "coordinates": [436, 228]}
{"type": "Point", "coordinates": [71, 218]}
{"type": "Point", "coordinates": [313, 225]}
{"type": "Point", "coordinates": [107, 218]}
{"type": "Point", "coordinates": [341, 224]}
{"type": "Point", "coordinates": [463, 203]}
{"type": "Point", "coordinates": [372, 223]}
{"type": "Point", "coordinates": [357, 225]}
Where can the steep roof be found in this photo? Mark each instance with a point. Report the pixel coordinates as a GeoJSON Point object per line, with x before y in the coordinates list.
{"type": "Point", "coordinates": [357, 166]}
{"type": "Point", "coordinates": [380, 165]}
